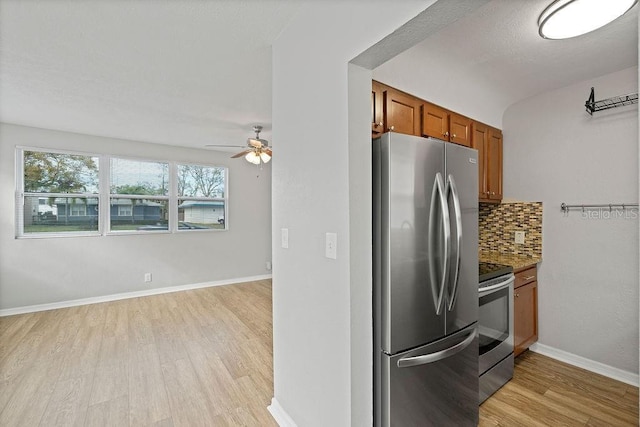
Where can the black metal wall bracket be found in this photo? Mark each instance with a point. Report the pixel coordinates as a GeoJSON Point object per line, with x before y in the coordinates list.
{"type": "Point", "coordinates": [604, 104]}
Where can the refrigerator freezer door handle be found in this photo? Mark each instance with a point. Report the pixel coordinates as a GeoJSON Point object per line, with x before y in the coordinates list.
{"type": "Point", "coordinates": [438, 194]}
{"type": "Point", "coordinates": [439, 355]}
{"type": "Point", "coordinates": [451, 187]}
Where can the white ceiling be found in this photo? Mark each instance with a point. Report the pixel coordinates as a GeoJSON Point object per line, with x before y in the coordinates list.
{"type": "Point", "coordinates": [500, 45]}
{"type": "Point", "coordinates": [194, 72]}
{"type": "Point", "coordinates": [179, 72]}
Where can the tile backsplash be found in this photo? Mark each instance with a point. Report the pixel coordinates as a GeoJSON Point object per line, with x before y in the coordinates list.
{"type": "Point", "coordinates": [497, 225]}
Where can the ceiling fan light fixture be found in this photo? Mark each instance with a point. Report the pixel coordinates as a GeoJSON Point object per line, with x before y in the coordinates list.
{"type": "Point", "coordinates": [564, 19]}
{"type": "Point", "coordinates": [265, 157]}
{"type": "Point", "coordinates": [253, 157]}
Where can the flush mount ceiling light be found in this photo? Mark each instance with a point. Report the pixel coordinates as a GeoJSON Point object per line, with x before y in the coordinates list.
{"type": "Point", "coordinates": [564, 19]}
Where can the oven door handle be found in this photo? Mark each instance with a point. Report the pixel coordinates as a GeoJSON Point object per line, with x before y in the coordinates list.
{"type": "Point", "coordinates": [497, 286]}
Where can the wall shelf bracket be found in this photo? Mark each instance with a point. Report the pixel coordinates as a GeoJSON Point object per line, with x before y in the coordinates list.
{"type": "Point", "coordinates": [604, 104]}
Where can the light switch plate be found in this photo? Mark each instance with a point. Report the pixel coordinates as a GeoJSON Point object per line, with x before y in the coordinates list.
{"type": "Point", "coordinates": [285, 238]}
{"type": "Point", "coordinates": [520, 237]}
{"type": "Point", "coordinates": [331, 246]}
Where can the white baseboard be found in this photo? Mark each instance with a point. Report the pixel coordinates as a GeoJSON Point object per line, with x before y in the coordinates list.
{"type": "Point", "coordinates": [588, 364]}
{"type": "Point", "coordinates": [280, 415]}
{"type": "Point", "coordinates": [126, 295]}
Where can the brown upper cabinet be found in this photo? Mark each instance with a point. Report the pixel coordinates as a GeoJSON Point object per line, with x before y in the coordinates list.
{"type": "Point", "coordinates": [401, 112]}
{"type": "Point", "coordinates": [443, 124]}
{"type": "Point", "coordinates": [396, 111]}
{"type": "Point", "coordinates": [393, 111]}
{"type": "Point", "coordinates": [479, 141]}
{"type": "Point", "coordinates": [488, 142]}
{"type": "Point", "coordinates": [377, 106]}
{"type": "Point", "coordinates": [494, 165]}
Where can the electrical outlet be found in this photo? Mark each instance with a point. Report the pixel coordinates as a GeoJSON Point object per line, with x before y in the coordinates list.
{"type": "Point", "coordinates": [285, 237]}
{"type": "Point", "coordinates": [147, 277]}
{"type": "Point", "coordinates": [519, 237]}
{"type": "Point", "coordinates": [268, 265]}
{"type": "Point", "coordinates": [331, 246]}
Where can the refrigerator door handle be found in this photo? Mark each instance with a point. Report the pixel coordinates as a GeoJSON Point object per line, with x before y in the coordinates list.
{"type": "Point", "coordinates": [438, 194]}
{"type": "Point", "coordinates": [409, 362]}
{"type": "Point", "coordinates": [451, 188]}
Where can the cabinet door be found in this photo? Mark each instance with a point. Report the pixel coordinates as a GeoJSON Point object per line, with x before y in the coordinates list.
{"type": "Point", "coordinates": [401, 112]}
{"type": "Point", "coordinates": [525, 317]}
{"type": "Point", "coordinates": [460, 129]}
{"type": "Point", "coordinates": [377, 124]}
{"type": "Point", "coordinates": [494, 164]}
{"type": "Point", "coordinates": [435, 121]}
{"type": "Point", "coordinates": [479, 141]}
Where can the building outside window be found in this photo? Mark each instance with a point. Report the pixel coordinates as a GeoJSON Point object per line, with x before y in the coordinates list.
{"type": "Point", "coordinates": [139, 195]}
{"type": "Point", "coordinates": [201, 197]}
{"type": "Point", "coordinates": [54, 190]}
{"type": "Point", "coordinates": [59, 193]}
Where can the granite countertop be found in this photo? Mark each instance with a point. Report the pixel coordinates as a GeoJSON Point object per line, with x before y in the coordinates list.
{"type": "Point", "coordinates": [514, 260]}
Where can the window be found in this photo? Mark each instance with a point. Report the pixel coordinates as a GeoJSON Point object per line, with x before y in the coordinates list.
{"type": "Point", "coordinates": [139, 195]}
{"type": "Point", "coordinates": [125, 210]}
{"type": "Point", "coordinates": [78, 209]}
{"type": "Point", "coordinates": [201, 197]}
{"type": "Point", "coordinates": [59, 193]}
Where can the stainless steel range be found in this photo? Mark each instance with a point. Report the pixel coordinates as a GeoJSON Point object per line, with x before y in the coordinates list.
{"type": "Point", "coordinates": [495, 327]}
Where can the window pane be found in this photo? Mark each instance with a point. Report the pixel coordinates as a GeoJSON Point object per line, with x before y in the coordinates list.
{"type": "Point", "coordinates": [197, 214]}
{"type": "Point", "coordinates": [136, 177]}
{"type": "Point", "coordinates": [201, 181]}
{"type": "Point", "coordinates": [59, 173]}
{"type": "Point", "coordinates": [138, 214]}
{"type": "Point", "coordinates": [60, 214]}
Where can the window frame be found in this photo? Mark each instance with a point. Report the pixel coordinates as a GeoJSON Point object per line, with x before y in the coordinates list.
{"type": "Point", "coordinates": [128, 211]}
{"type": "Point", "coordinates": [223, 199]}
{"type": "Point", "coordinates": [21, 195]}
{"type": "Point", "coordinates": [110, 196]}
{"type": "Point", "coordinates": [104, 196]}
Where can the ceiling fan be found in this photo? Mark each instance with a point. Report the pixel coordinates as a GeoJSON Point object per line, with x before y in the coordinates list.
{"type": "Point", "coordinates": [257, 150]}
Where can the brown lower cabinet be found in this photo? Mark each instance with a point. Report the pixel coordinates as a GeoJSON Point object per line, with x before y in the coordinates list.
{"type": "Point", "coordinates": [525, 309]}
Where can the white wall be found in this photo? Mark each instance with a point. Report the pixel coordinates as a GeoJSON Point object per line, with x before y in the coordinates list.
{"type": "Point", "coordinates": [313, 312]}
{"type": "Point", "coordinates": [555, 152]}
{"type": "Point", "coordinates": [441, 78]}
{"type": "Point", "coordinates": [39, 271]}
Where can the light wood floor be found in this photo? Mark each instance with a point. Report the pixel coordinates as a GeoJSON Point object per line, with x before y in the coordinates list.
{"type": "Point", "coordinates": [193, 358]}
{"type": "Point", "coordinates": [204, 357]}
{"type": "Point", "coordinates": [546, 392]}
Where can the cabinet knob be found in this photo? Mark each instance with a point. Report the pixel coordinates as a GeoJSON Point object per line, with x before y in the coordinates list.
{"type": "Point", "coordinates": [377, 124]}
{"type": "Point", "coordinates": [517, 295]}
{"type": "Point", "coordinates": [493, 193]}
{"type": "Point", "coordinates": [391, 128]}
{"type": "Point", "coordinates": [446, 134]}
{"type": "Point", "coordinates": [454, 135]}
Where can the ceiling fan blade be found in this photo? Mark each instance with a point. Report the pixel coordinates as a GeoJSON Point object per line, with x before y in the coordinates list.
{"type": "Point", "coordinates": [242, 153]}
{"type": "Point", "coordinates": [226, 146]}
{"type": "Point", "coordinates": [268, 151]}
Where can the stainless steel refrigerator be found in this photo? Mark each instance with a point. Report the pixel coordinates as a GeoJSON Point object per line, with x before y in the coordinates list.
{"type": "Point", "coordinates": [425, 257]}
